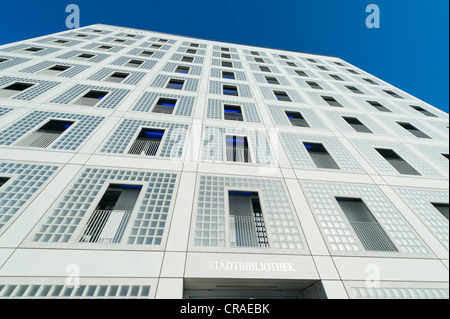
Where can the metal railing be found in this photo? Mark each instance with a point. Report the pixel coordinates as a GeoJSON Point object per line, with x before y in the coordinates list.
{"type": "Point", "coordinates": [372, 236]}
{"type": "Point", "coordinates": [238, 155]}
{"type": "Point", "coordinates": [105, 227]}
{"type": "Point", "coordinates": [145, 147]}
{"type": "Point", "coordinates": [248, 231]}
{"type": "Point", "coordinates": [39, 139]}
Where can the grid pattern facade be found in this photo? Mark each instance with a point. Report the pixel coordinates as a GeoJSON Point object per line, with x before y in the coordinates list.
{"type": "Point", "coordinates": [177, 88]}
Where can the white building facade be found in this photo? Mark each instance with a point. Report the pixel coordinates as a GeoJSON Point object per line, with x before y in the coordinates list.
{"type": "Point", "coordinates": [136, 164]}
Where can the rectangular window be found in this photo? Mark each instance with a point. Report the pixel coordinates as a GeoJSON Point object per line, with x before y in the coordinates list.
{"type": "Point", "coordinates": [321, 67]}
{"type": "Point", "coordinates": [147, 53]}
{"type": "Point", "coordinates": [227, 64]}
{"type": "Point", "coordinates": [352, 71]}
{"type": "Point", "coordinates": [117, 77]}
{"type": "Point", "coordinates": [320, 156]}
{"type": "Point", "coordinates": [191, 51]}
{"type": "Point", "coordinates": [155, 46]}
{"type": "Point", "coordinates": [134, 63]}
{"type": "Point", "coordinates": [291, 64]}
{"type": "Point", "coordinates": [83, 57]}
{"type": "Point", "coordinates": [247, 227]}
{"type": "Point", "coordinates": [233, 113]}
{"type": "Point", "coordinates": [272, 80]}
{"type": "Point", "coordinates": [3, 60]}
{"type": "Point", "coordinates": [3, 181]}
{"type": "Point", "coordinates": [393, 94]}
{"type": "Point", "coordinates": [369, 231]}
{"type": "Point", "coordinates": [254, 53]}
{"type": "Point", "coordinates": [354, 89]}
{"type": "Point", "coordinates": [370, 81]}
{"type": "Point", "coordinates": [357, 125]}
{"type": "Point", "coordinates": [259, 60]}
{"type": "Point", "coordinates": [397, 162]}
{"type": "Point", "coordinates": [47, 134]}
{"type": "Point", "coordinates": [91, 98]}
{"type": "Point", "coordinates": [379, 106]}
{"type": "Point", "coordinates": [230, 90]}
{"type": "Point", "coordinates": [445, 155]}
{"type": "Point", "coordinates": [296, 119]}
{"type": "Point", "coordinates": [284, 57]}
{"type": "Point", "coordinates": [33, 50]}
{"type": "Point", "coordinates": [314, 85]}
{"type": "Point", "coordinates": [225, 56]}
{"type": "Point", "coordinates": [55, 70]}
{"type": "Point", "coordinates": [14, 89]}
{"type": "Point", "coordinates": [165, 106]}
{"type": "Point", "coordinates": [331, 101]}
{"type": "Point", "coordinates": [225, 49]}
{"type": "Point", "coordinates": [422, 110]}
{"type": "Point", "coordinates": [237, 149]}
{"type": "Point", "coordinates": [175, 84]}
{"type": "Point", "coordinates": [336, 77]}
{"type": "Point", "coordinates": [194, 45]}
{"type": "Point", "coordinates": [104, 47]}
{"type": "Point", "coordinates": [312, 60]}
{"type": "Point", "coordinates": [442, 208]}
{"type": "Point", "coordinates": [108, 221]}
{"type": "Point", "coordinates": [182, 69]}
{"type": "Point", "coordinates": [282, 96]}
{"type": "Point", "coordinates": [163, 40]}
{"type": "Point", "coordinates": [264, 68]}
{"type": "Point", "coordinates": [413, 130]}
{"type": "Point", "coordinates": [228, 75]}
{"type": "Point", "coordinates": [301, 73]}
{"type": "Point", "coordinates": [188, 59]}
{"type": "Point", "coordinates": [147, 142]}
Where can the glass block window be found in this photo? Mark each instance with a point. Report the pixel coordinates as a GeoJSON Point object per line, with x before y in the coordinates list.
{"type": "Point", "coordinates": [270, 94]}
{"type": "Point", "coordinates": [161, 81]}
{"type": "Point", "coordinates": [278, 113]}
{"type": "Point", "coordinates": [39, 87]}
{"type": "Point", "coordinates": [436, 153]}
{"type": "Point", "coordinates": [216, 110]}
{"type": "Point", "coordinates": [8, 61]}
{"type": "Point", "coordinates": [24, 181]}
{"type": "Point", "coordinates": [91, 57]}
{"type": "Point", "coordinates": [214, 147]}
{"type": "Point", "coordinates": [211, 217]}
{"type": "Point", "coordinates": [145, 64]}
{"type": "Point", "coordinates": [111, 100]}
{"type": "Point", "coordinates": [122, 138]}
{"type": "Point", "coordinates": [133, 77]}
{"type": "Point", "coordinates": [70, 72]}
{"type": "Point", "coordinates": [193, 69]}
{"type": "Point", "coordinates": [84, 125]}
{"type": "Point", "coordinates": [337, 230]}
{"type": "Point", "coordinates": [75, 206]}
{"type": "Point", "coordinates": [301, 159]}
{"type": "Point", "coordinates": [184, 105]}
{"type": "Point", "coordinates": [4, 110]}
{"type": "Point", "coordinates": [193, 59]}
{"type": "Point", "coordinates": [218, 87]}
{"type": "Point", "coordinates": [421, 203]}
{"type": "Point", "coordinates": [21, 48]}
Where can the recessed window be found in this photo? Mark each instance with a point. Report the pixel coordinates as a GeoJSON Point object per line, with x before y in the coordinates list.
{"type": "Point", "coordinates": [320, 156]}
{"type": "Point", "coordinates": [55, 70]}
{"type": "Point", "coordinates": [379, 106]}
{"type": "Point", "coordinates": [3, 181]}
{"type": "Point", "coordinates": [237, 149]}
{"type": "Point", "coordinates": [119, 40]}
{"type": "Point", "coordinates": [259, 60]}
{"type": "Point", "coordinates": [233, 113]}
{"type": "Point", "coordinates": [354, 89]}
{"type": "Point", "coordinates": [147, 142]}
{"type": "Point", "coordinates": [182, 69]}
{"type": "Point", "coordinates": [130, 35]}
{"type": "Point", "coordinates": [445, 155]}
{"type": "Point", "coordinates": [165, 106]}
{"type": "Point", "coordinates": [336, 77]}
{"type": "Point", "coordinates": [155, 46]}
{"type": "Point", "coordinates": [34, 49]}
{"type": "Point", "coordinates": [284, 57]}
{"type": "Point", "coordinates": [3, 60]}
{"type": "Point", "coordinates": [194, 45]}
{"type": "Point", "coordinates": [134, 63]}
{"type": "Point", "coordinates": [296, 119]}
{"type": "Point", "coordinates": [13, 89]}
{"type": "Point", "coordinates": [339, 63]}
{"type": "Point", "coordinates": [117, 77]}
{"type": "Point", "coordinates": [47, 134]}
{"type": "Point", "coordinates": [230, 90]}
{"type": "Point", "coordinates": [331, 101]}
{"type": "Point", "coordinates": [312, 60]}
{"type": "Point", "coordinates": [191, 51]}
{"type": "Point", "coordinates": [91, 98]}
{"type": "Point", "coordinates": [254, 53]}
{"type": "Point", "coordinates": [147, 53]}
{"type": "Point", "coordinates": [175, 84]}
{"type": "Point", "coordinates": [247, 226]}
{"type": "Point", "coordinates": [314, 85]}
{"type": "Point", "coordinates": [104, 47]}
{"type": "Point", "coordinates": [272, 80]}
{"type": "Point", "coordinates": [413, 130]}
{"type": "Point", "coordinates": [60, 41]}
{"type": "Point", "coordinates": [301, 73]}
{"type": "Point", "coordinates": [228, 75]}
{"type": "Point", "coordinates": [422, 110]}
{"type": "Point", "coordinates": [264, 68]}
{"type": "Point", "coordinates": [321, 67]}
{"type": "Point", "coordinates": [84, 57]}
{"type": "Point", "coordinates": [357, 125]}
{"type": "Point", "coordinates": [397, 162]}
{"type": "Point", "coordinates": [187, 59]}
{"type": "Point", "coordinates": [291, 64]}
{"type": "Point", "coordinates": [393, 94]}
{"type": "Point", "coordinates": [225, 55]}
{"type": "Point", "coordinates": [108, 222]}
{"type": "Point", "coordinates": [369, 231]}
{"type": "Point", "coordinates": [282, 96]}
{"type": "Point", "coordinates": [227, 64]}
{"type": "Point", "coordinates": [442, 208]}
{"type": "Point", "coordinates": [81, 35]}
{"type": "Point", "coordinates": [352, 71]}
{"type": "Point", "coordinates": [225, 49]}
{"type": "Point", "coordinates": [163, 40]}
{"type": "Point", "coordinates": [370, 81]}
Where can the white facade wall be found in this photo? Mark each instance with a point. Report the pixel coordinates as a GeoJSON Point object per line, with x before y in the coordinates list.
{"type": "Point", "coordinates": [177, 238]}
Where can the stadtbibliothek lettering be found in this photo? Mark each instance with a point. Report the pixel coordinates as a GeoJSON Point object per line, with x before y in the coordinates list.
{"type": "Point", "coordinates": [250, 266]}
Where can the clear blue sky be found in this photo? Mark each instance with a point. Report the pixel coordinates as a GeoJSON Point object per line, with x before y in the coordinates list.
{"type": "Point", "coordinates": [410, 50]}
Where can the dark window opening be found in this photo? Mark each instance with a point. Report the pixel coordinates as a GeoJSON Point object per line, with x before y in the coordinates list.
{"type": "Point", "coordinates": [264, 68]}
{"type": "Point", "coordinates": [117, 77]}
{"type": "Point", "coordinates": [47, 134]}
{"type": "Point", "coordinates": [134, 63]}
{"type": "Point", "coordinates": [34, 49]}
{"type": "Point", "coordinates": [413, 130]}
{"type": "Point", "coordinates": [422, 110]}
{"type": "Point", "coordinates": [297, 119]}
{"type": "Point", "coordinates": [331, 101]}
{"type": "Point", "coordinates": [3, 181]}
{"type": "Point", "coordinates": [59, 68]}
{"type": "Point", "coordinates": [259, 60]}
{"type": "Point", "coordinates": [442, 208]}
{"type": "Point", "coordinates": [370, 81]}
{"type": "Point", "coordinates": [393, 94]}
{"type": "Point", "coordinates": [301, 73]}
{"type": "Point", "coordinates": [147, 142]}
{"type": "Point", "coordinates": [86, 56]}
{"type": "Point", "coordinates": [272, 80]}
{"type": "Point", "coordinates": [182, 69]}
{"type": "Point", "coordinates": [314, 85]}
{"type": "Point", "coordinates": [175, 84]}
{"type": "Point", "coordinates": [188, 59]}
{"type": "Point", "coordinates": [354, 89]}
{"type": "Point", "coordinates": [147, 53]}
{"type": "Point", "coordinates": [233, 113]}
{"type": "Point", "coordinates": [291, 64]}
{"type": "Point", "coordinates": [92, 98]}
{"type": "Point", "coordinates": [191, 51]}
{"type": "Point", "coordinates": [237, 149]}
{"type": "Point", "coordinates": [228, 75]}
{"type": "Point", "coordinates": [165, 106]}
{"type": "Point", "coordinates": [336, 77]}
{"type": "Point", "coordinates": [18, 86]}
{"type": "Point", "coordinates": [225, 55]}
{"type": "Point", "coordinates": [230, 90]}
{"type": "Point", "coordinates": [227, 64]}
{"type": "Point", "coordinates": [397, 162]}
{"type": "Point", "coordinates": [379, 106]}
{"type": "Point", "coordinates": [357, 125]}
{"type": "Point", "coordinates": [282, 96]}
{"type": "Point", "coordinates": [320, 156]}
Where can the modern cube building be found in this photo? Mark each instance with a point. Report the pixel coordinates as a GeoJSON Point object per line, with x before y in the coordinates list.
{"type": "Point", "coordinates": [137, 164]}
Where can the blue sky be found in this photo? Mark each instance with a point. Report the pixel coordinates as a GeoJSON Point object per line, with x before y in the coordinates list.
{"type": "Point", "coordinates": [410, 50]}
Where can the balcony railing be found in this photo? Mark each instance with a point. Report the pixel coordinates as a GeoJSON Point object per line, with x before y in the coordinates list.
{"type": "Point", "coordinates": [372, 236]}
{"type": "Point", "coordinates": [238, 155]}
{"type": "Point", "coordinates": [248, 231]}
{"type": "Point", "coordinates": [145, 147]}
{"type": "Point", "coordinates": [39, 139]}
{"type": "Point", "coordinates": [105, 227]}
